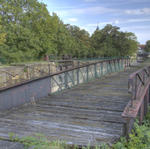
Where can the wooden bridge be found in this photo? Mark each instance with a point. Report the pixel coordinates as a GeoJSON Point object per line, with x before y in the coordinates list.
{"type": "Point", "coordinates": [89, 113]}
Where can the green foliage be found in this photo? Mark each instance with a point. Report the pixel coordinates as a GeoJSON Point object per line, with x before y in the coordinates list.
{"type": "Point", "coordinates": [147, 46]}
{"type": "Point", "coordinates": [81, 42]}
{"type": "Point", "coordinates": [39, 141]}
{"type": "Point", "coordinates": [119, 145]}
{"type": "Point", "coordinates": [28, 32]}
{"type": "Point", "coordinates": [111, 42]}
{"type": "Point", "coordinates": [2, 34]}
{"type": "Point", "coordinates": [139, 138]}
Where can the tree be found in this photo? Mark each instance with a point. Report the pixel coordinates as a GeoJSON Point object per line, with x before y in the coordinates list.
{"type": "Point", "coordinates": [109, 42]}
{"type": "Point", "coordinates": [2, 34]}
{"type": "Point", "coordinates": [81, 38]}
{"type": "Point", "coordinates": [30, 30]}
{"type": "Point", "coordinates": [147, 46]}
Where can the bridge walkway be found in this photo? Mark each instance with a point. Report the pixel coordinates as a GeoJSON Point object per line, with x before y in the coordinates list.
{"type": "Point", "coordinates": [86, 114]}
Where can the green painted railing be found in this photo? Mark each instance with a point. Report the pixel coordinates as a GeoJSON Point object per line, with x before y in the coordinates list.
{"type": "Point", "coordinates": [100, 58]}
{"type": "Point", "coordinates": [82, 74]}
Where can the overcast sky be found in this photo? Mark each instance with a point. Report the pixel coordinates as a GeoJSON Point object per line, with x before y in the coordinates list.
{"type": "Point", "coordinates": [129, 15]}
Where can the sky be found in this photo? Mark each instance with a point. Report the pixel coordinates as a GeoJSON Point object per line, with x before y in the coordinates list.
{"type": "Point", "coordinates": [129, 15]}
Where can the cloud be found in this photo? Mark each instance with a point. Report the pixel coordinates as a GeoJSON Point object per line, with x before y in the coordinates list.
{"type": "Point", "coordinates": [102, 24]}
{"type": "Point", "coordinates": [138, 20]}
{"type": "Point", "coordinates": [142, 37]}
{"type": "Point", "coordinates": [73, 19]}
{"type": "Point", "coordinates": [87, 10]}
{"type": "Point", "coordinates": [129, 21]}
{"type": "Point", "coordinates": [93, 10]}
{"type": "Point", "coordinates": [138, 28]}
{"type": "Point", "coordinates": [116, 22]}
{"type": "Point", "coordinates": [91, 27]}
{"type": "Point", "coordinates": [145, 11]}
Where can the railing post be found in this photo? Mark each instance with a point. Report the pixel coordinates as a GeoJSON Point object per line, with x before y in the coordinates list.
{"type": "Point", "coordinates": [95, 69]}
{"type": "Point", "coordinates": [147, 100]}
{"type": "Point", "coordinates": [107, 63]}
{"type": "Point", "coordinates": [143, 76]}
{"type": "Point", "coordinates": [123, 66]}
{"type": "Point", "coordinates": [141, 113]}
{"type": "Point", "coordinates": [129, 62]}
{"type": "Point", "coordinates": [50, 84]}
{"type": "Point", "coordinates": [102, 69]}
{"type": "Point", "coordinates": [111, 65]}
{"type": "Point", "coordinates": [78, 76]}
{"type": "Point", "coordinates": [73, 77]}
{"type": "Point", "coordinates": [126, 64]}
{"type": "Point", "coordinates": [87, 73]}
{"type": "Point", "coordinates": [126, 128]}
{"type": "Point", "coordinates": [99, 69]}
{"type": "Point", "coordinates": [115, 65]}
{"type": "Point", "coordinates": [121, 63]}
{"type": "Point", "coordinates": [49, 70]}
{"type": "Point", "coordinates": [118, 64]}
{"type": "Point", "coordinates": [110, 68]}
{"type": "Point", "coordinates": [66, 80]}
{"type": "Point", "coordinates": [145, 104]}
{"type": "Point", "coordinates": [135, 92]}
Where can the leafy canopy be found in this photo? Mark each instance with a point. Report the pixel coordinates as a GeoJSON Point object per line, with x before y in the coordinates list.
{"type": "Point", "coordinates": [29, 32]}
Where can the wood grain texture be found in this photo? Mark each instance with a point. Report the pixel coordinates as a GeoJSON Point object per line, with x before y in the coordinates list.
{"type": "Point", "coordinates": [88, 113]}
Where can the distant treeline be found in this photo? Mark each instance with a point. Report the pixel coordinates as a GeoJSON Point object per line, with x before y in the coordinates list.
{"type": "Point", "coordinates": [28, 32]}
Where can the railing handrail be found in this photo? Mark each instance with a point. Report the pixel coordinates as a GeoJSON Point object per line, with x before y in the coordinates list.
{"type": "Point", "coordinates": [133, 87]}
{"type": "Point", "coordinates": [64, 71]}
{"type": "Point", "coordinates": [131, 76]}
{"type": "Point", "coordinates": [138, 84]}
{"type": "Point", "coordinates": [84, 65]}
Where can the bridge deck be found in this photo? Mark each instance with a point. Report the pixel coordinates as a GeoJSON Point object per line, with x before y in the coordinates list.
{"type": "Point", "coordinates": [88, 113]}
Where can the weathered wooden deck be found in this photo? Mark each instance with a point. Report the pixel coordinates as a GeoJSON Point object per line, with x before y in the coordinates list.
{"type": "Point", "coordinates": [88, 113]}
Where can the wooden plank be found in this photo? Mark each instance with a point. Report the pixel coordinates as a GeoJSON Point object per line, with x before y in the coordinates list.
{"type": "Point", "coordinates": [88, 113]}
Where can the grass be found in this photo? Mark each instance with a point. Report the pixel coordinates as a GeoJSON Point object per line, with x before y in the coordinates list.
{"type": "Point", "coordinates": [40, 141]}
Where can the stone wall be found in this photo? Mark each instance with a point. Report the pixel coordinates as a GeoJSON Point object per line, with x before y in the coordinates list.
{"type": "Point", "coordinates": [15, 74]}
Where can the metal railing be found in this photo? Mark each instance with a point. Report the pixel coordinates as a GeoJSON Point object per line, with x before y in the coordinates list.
{"type": "Point", "coordinates": [60, 79]}
{"type": "Point", "coordinates": [81, 74]}
{"type": "Point", "coordinates": [16, 74]}
{"type": "Point", "coordinates": [137, 82]}
{"type": "Point", "coordinates": [138, 87]}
